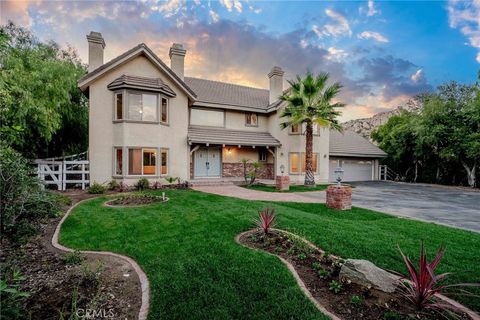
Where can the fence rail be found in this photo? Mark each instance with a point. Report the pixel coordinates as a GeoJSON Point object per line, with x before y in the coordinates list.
{"type": "Point", "coordinates": [385, 173]}
{"type": "Point", "coordinates": [64, 172]}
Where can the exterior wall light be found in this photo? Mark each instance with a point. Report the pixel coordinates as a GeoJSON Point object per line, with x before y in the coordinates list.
{"type": "Point", "coordinates": [282, 169]}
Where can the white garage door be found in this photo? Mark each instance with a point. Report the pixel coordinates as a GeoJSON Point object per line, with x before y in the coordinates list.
{"type": "Point", "coordinates": [354, 170]}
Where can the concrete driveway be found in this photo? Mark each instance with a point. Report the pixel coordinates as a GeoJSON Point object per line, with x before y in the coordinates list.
{"type": "Point", "coordinates": [446, 205]}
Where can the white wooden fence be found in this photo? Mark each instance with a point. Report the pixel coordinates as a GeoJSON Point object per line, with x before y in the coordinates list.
{"type": "Point", "coordinates": [64, 172]}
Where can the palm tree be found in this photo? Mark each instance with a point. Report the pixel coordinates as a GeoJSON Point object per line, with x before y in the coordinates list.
{"type": "Point", "coordinates": [309, 101]}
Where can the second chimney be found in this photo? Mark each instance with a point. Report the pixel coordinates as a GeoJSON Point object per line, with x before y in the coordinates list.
{"type": "Point", "coordinates": [177, 59]}
{"type": "Point", "coordinates": [276, 84]}
{"type": "Point", "coordinates": [96, 44]}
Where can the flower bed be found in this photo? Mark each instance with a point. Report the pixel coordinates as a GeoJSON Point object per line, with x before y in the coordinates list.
{"type": "Point", "coordinates": [135, 200]}
{"type": "Point", "coordinates": [320, 272]}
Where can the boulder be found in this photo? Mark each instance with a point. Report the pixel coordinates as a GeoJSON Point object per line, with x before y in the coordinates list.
{"type": "Point", "coordinates": [365, 273]}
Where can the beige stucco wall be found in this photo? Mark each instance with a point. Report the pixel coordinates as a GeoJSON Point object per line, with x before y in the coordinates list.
{"type": "Point", "coordinates": [296, 143]}
{"type": "Point", "coordinates": [235, 120]}
{"type": "Point", "coordinates": [104, 134]}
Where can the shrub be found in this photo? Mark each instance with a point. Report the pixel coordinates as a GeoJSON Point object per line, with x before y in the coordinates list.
{"type": "Point", "coordinates": [391, 315]}
{"type": "Point", "coordinates": [73, 258]}
{"type": "Point", "coordinates": [122, 187]}
{"type": "Point", "coordinates": [156, 185]}
{"type": "Point", "coordinates": [266, 220]}
{"type": "Point", "coordinates": [335, 287]}
{"type": "Point", "coordinates": [24, 200]}
{"type": "Point", "coordinates": [356, 300]}
{"type": "Point", "coordinates": [424, 283]}
{"type": "Point", "coordinates": [323, 273]}
{"type": "Point", "coordinates": [142, 184]}
{"type": "Point", "coordinates": [96, 188]}
{"type": "Point", "coordinates": [316, 266]}
{"type": "Point", "coordinates": [11, 296]}
{"type": "Point", "coordinates": [171, 180]}
{"type": "Point", "coordinates": [113, 185]}
{"type": "Point", "coordinates": [302, 256]}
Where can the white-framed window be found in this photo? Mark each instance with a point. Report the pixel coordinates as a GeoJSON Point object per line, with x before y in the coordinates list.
{"type": "Point", "coordinates": [163, 110]}
{"type": "Point", "coordinates": [262, 155]}
{"type": "Point", "coordinates": [118, 101]}
{"type": "Point", "coordinates": [118, 158]}
{"type": "Point", "coordinates": [142, 161]}
{"type": "Point", "coordinates": [164, 161]}
{"type": "Point", "coordinates": [141, 106]}
{"type": "Point", "coordinates": [298, 162]}
{"type": "Point", "coordinates": [207, 117]}
{"type": "Point", "coordinates": [251, 119]}
{"type": "Point", "coordinates": [295, 129]}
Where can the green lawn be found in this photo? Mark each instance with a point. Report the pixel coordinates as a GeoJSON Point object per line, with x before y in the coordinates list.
{"type": "Point", "coordinates": [297, 188]}
{"type": "Point", "coordinates": [197, 271]}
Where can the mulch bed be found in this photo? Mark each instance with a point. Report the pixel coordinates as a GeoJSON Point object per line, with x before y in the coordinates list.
{"type": "Point", "coordinates": [317, 270]}
{"type": "Point", "coordinates": [106, 286]}
{"type": "Point", "coordinates": [136, 200]}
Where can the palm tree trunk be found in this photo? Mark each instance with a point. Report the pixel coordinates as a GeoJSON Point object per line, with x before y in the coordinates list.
{"type": "Point", "coordinates": [309, 176]}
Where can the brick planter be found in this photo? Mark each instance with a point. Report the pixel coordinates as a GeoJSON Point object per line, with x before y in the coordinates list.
{"type": "Point", "coordinates": [339, 198]}
{"type": "Point", "coordinates": [282, 182]}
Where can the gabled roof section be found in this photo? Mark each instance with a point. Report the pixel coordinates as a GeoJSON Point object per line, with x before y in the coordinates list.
{"type": "Point", "coordinates": [142, 48]}
{"type": "Point", "coordinates": [230, 96]}
{"type": "Point", "coordinates": [133, 82]}
{"type": "Point", "coordinates": [222, 136]}
{"type": "Point", "coordinates": [351, 144]}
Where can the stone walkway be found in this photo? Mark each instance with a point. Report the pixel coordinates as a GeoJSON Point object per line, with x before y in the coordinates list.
{"type": "Point", "coordinates": [248, 194]}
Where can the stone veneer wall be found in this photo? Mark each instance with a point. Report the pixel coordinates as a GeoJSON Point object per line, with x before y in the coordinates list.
{"type": "Point", "coordinates": [236, 170]}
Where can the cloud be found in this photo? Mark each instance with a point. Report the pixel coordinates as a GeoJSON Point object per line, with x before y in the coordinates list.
{"type": "Point", "coordinates": [371, 8]}
{"type": "Point", "coordinates": [232, 4]}
{"type": "Point", "coordinates": [339, 26]}
{"type": "Point", "coordinates": [366, 35]}
{"type": "Point", "coordinates": [214, 16]}
{"type": "Point", "coordinates": [465, 15]}
{"type": "Point", "coordinates": [336, 54]}
{"type": "Point", "coordinates": [169, 8]}
{"type": "Point", "coordinates": [418, 76]}
{"type": "Point", "coordinates": [255, 10]}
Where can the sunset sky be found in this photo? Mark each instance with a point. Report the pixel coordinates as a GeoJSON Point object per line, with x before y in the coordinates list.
{"type": "Point", "coordinates": [382, 52]}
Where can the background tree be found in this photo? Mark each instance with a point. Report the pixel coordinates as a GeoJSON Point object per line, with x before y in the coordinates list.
{"type": "Point", "coordinates": [441, 142]}
{"type": "Point", "coordinates": [42, 111]}
{"type": "Point", "coordinates": [309, 102]}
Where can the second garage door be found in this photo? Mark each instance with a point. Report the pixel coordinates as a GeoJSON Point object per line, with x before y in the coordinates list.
{"type": "Point", "coordinates": [354, 170]}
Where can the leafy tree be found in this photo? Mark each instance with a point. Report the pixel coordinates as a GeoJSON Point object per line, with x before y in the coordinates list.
{"type": "Point", "coordinates": [441, 141]}
{"type": "Point", "coordinates": [42, 111]}
{"type": "Point", "coordinates": [310, 102]}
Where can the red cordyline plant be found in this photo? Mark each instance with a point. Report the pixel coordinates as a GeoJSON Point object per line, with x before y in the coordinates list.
{"type": "Point", "coordinates": [423, 283]}
{"type": "Point", "coordinates": [266, 219]}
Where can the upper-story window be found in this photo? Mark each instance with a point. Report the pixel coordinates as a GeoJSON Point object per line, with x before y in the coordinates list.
{"type": "Point", "coordinates": [142, 107]}
{"type": "Point", "coordinates": [251, 119]}
{"type": "Point", "coordinates": [137, 106]}
{"type": "Point", "coordinates": [295, 129]}
{"type": "Point", "coordinates": [206, 117]}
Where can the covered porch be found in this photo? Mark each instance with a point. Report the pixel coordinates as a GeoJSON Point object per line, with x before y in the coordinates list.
{"type": "Point", "coordinates": [217, 154]}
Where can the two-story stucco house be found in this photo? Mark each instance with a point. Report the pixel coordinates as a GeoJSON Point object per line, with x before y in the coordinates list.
{"type": "Point", "coordinates": [148, 120]}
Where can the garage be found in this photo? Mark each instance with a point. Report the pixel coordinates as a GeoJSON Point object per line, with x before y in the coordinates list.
{"type": "Point", "coordinates": [353, 169]}
{"type": "Point", "coordinates": [358, 157]}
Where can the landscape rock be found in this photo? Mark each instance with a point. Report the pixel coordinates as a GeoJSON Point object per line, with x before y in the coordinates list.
{"type": "Point", "coordinates": [365, 273]}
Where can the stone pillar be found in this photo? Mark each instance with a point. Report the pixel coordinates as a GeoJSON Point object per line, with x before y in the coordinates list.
{"type": "Point", "coordinates": [283, 183]}
{"type": "Point", "coordinates": [339, 198]}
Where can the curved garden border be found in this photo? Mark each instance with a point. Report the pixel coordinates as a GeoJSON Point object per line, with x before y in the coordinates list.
{"type": "Point", "coordinates": [303, 287]}
{"type": "Point", "coordinates": [144, 284]}
{"type": "Point", "coordinates": [107, 203]}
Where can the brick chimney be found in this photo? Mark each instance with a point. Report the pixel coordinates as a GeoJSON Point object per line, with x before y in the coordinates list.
{"type": "Point", "coordinates": [177, 59]}
{"type": "Point", "coordinates": [96, 44]}
{"type": "Point", "coordinates": [276, 83]}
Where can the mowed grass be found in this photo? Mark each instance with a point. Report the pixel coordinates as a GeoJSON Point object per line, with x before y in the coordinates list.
{"type": "Point", "coordinates": [197, 271]}
{"type": "Point", "coordinates": [293, 188]}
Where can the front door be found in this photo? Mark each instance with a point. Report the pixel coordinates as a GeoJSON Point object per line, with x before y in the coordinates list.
{"type": "Point", "coordinates": [207, 162]}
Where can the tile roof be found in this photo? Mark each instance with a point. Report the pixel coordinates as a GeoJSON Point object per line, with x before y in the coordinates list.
{"type": "Point", "coordinates": [228, 94]}
{"type": "Point", "coordinates": [351, 144]}
{"type": "Point", "coordinates": [134, 82]}
{"type": "Point", "coordinates": [230, 137]}
{"type": "Point", "coordinates": [139, 49]}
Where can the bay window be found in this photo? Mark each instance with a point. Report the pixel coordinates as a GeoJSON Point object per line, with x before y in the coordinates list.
{"type": "Point", "coordinates": [118, 161]}
{"type": "Point", "coordinates": [140, 161]}
{"type": "Point", "coordinates": [139, 106]}
{"type": "Point", "coordinates": [164, 161]}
